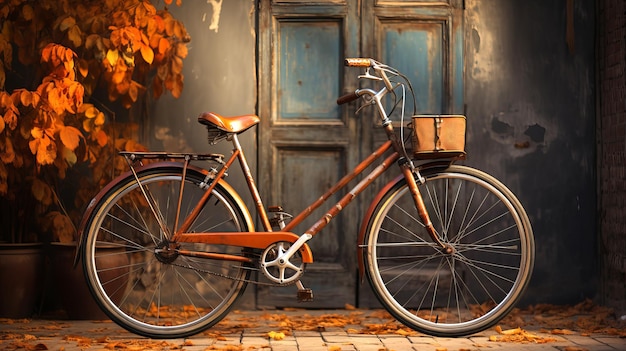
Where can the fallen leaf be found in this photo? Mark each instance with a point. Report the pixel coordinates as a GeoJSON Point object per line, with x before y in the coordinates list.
{"type": "Point", "coordinates": [561, 332]}
{"type": "Point", "coordinates": [276, 335]}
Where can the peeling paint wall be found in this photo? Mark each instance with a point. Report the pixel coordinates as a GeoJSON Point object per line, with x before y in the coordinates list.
{"type": "Point", "coordinates": [531, 123]}
{"type": "Point", "coordinates": [219, 71]}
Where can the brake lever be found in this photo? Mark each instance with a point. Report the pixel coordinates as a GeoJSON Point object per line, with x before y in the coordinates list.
{"type": "Point", "coordinates": [369, 76]}
{"type": "Point", "coordinates": [368, 102]}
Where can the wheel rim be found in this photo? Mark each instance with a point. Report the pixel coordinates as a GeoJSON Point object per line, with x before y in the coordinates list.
{"type": "Point", "coordinates": [165, 294]}
{"type": "Point", "coordinates": [450, 293]}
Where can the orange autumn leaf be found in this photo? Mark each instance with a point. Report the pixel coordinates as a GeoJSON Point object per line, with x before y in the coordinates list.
{"type": "Point", "coordinates": [26, 97]}
{"type": "Point", "coordinates": [181, 50]}
{"type": "Point", "coordinates": [276, 335]}
{"type": "Point", "coordinates": [100, 119]}
{"type": "Point", "coordinates": [177, 90]}
{"type": "Point", "coordinates": [89, 110]}
{"type": "Point", "coordinates": [112, 56]}
{"type": "Point", "coordinates": [10, 119]}
{"type": "Point", "coordinates": [7, 154]}
{"type": "Point", "coordinates": [147, 54]}
{"type": "Point", "coordinates": [36, 133]}
{"type": "Point", "coordinates": [42, 192]}
{"type": "Point", "coordinates": [74, 34]}
{"type": "Point", "coordinates": [28, 13]}
{"type": "Point", "coordinates": [518, 335]}
{"type": "Point", "coordinates": [43, 148]}
{"type": "Point", "coordinates": [561, 332]}
{"type": "Point", "coordinates": [67, 23]}
{"type": "Point", "coordinates": [83, 67]}
{"type": "Point", "coordinates": [70, 137]}
{"type": "Point", "coordinates": [101, 138]}
{"type": "Point", "coordinates": [177, 65]}
{"type": "Point", "coordinates": [60, 225]}
{"type": "Point", "coordinates": [164, 44]}
{"type": "Point", "coordinates": [69, 156]}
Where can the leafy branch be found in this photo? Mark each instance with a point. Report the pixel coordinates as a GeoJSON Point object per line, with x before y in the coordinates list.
{"type": "Point", "coordinates": [54, 55]}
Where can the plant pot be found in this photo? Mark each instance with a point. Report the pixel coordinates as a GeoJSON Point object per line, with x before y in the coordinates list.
{"type": "Point", "coordinates": [21, 272]}
{"type": "Point", "coordinates": [71, 286]}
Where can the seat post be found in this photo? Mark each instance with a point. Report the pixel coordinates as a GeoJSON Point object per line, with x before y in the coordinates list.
{"type": "Point", "coordinates": [251, 185]}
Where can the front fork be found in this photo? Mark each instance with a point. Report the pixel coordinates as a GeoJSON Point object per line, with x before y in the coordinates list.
{"type": "Point", "coordinates": [412, 176]}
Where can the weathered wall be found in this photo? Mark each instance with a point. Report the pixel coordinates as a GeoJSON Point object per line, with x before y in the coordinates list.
{"type": "Point", "coordinates": [529, 101]}
{"type": "Point", "coordinates": [530, 109]}
{"type": "Point", "coordinates": [612, 151]}
{"type": "Point", "coordinates": [220, 76]}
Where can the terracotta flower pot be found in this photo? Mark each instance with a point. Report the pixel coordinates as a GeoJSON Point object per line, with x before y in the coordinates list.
{"type": "Point", "coordinates": [21, 279]}
{"type": "Point", "coordinates": [71, 287]}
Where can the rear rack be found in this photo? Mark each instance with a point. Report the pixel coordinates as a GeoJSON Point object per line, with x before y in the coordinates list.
{"type": "Point", "coordinates": [132, 157]}
{"type": "Point", "coordinates": [138, 156]}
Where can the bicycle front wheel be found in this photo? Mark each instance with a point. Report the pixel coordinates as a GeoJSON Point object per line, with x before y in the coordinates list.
{"type": "Point", "coordinates": [457, 293]}
{"type": "Point", "coordinates": [139, 283]}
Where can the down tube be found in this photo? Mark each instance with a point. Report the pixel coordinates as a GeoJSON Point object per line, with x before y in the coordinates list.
{"type": "Point", "coordinates": [363, 184]}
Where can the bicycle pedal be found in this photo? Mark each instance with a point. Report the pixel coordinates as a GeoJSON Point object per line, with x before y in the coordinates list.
{"type": "Point", "coordinates": [305, 295]}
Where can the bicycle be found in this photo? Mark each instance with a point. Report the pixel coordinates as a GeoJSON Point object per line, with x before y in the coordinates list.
{"type": "Point", "coordinates": [447, 249]}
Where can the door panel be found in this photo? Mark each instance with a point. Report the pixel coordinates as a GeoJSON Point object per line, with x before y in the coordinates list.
{"type": "Point", "coordinates": [414, 48]}
{"type": "Point", "coordinates": [293, 181]}
{"type": "Point", "coordinates": [307, 142]}
{"type": "Point", "coordinates": [308, 49]}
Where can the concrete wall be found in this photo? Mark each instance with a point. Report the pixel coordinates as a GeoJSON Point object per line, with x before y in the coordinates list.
{"type": "Point", "coordinates": [220, 76]}
{"type": "Point", "coordinates": [530, 108]}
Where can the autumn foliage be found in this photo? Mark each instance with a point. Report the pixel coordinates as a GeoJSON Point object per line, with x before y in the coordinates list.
{"type": "Point", "coordinates": [54, 56]}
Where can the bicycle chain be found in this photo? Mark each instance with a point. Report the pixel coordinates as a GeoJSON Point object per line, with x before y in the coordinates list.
{"type": "Point", "coordinates": [232, 278]}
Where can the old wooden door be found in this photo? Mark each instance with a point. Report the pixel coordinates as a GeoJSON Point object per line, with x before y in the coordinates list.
{"type": "Point", "coordinates": [307, 142]}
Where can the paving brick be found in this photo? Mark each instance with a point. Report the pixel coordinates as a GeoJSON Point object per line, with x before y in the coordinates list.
{"type": "Point", "coordinates": [252, 338]}
{"type": "Point", "coordinates": [614, 342]}
{"type": "Point", "coordinates": [311, 343]}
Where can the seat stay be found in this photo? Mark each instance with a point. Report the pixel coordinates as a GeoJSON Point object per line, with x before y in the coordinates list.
{"type": "Point", "coordinates": [200, 205]}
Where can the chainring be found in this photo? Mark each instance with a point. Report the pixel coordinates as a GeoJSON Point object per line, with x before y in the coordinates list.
{"type": "Point", "coordinates": [277, 268]}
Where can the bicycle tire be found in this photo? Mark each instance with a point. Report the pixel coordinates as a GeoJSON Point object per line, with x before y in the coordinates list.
{"type": "Point", "coordinates": [149, 293]}
{"type": "Point", "coordinates": [455, 294]}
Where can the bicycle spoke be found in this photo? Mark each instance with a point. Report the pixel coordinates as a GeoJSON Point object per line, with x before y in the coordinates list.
{"type": "Point", "coordinates": [163, 293]}
{"type": "Point", "coordinates": [457, 291]}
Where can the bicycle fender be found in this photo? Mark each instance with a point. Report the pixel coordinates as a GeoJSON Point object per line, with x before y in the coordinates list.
{"type": "Point", "coordinates": [366, 219]}
{"type": "Point", "coordinates": [370, 211]}
{"type": "Point", "coordinates": [170, 164]}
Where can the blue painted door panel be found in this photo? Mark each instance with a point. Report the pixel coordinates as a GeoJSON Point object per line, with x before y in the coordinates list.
{"type": "Point", "coordinates": [416, 50]}
{"type": "Point", "coordinates": [309, 67]}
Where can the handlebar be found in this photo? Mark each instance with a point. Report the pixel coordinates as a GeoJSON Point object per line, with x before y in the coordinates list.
{"type": "Point", "coordinates": [344, 99]}
{"type": "Point", "coordinates": [380, 74]}
{"type": "Point", "coordinates": [358, 62]}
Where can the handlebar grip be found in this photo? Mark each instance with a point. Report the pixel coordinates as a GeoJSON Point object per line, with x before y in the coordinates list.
{"type": "Point", "coordinates": [358, 62]}
{"type": "Point", "coordinates": [347, 98]}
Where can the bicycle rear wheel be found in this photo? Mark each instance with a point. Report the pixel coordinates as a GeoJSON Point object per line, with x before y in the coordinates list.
{"type": "Point", "coordinates": [148, 291]}
{"type": "Point", "coordinates": [458, 293]}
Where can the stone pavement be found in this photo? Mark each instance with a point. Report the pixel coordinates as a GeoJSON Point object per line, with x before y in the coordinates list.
{"type": "Point", "coordinates": [312, 330]}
